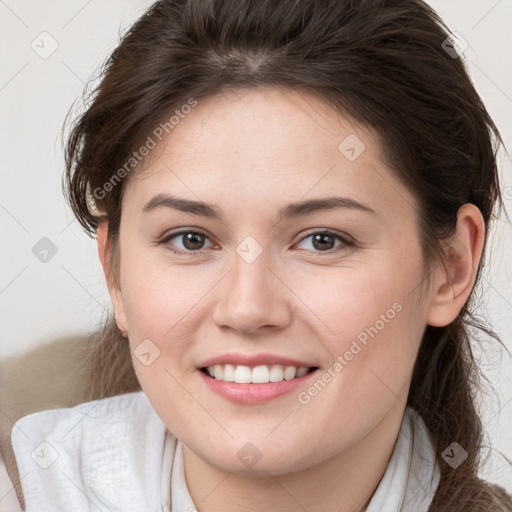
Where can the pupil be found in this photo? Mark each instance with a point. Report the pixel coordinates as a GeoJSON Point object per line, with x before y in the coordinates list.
{"type": "Point", "coordinates": [321, 237]}
{"type": "Point", "coordinates": [191, 241]}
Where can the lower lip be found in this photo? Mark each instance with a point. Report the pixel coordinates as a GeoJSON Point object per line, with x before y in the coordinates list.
{"type": "Point", "coordinates": [254, 393]}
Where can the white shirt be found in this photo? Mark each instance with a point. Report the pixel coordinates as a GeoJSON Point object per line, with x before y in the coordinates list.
{"type": "Point", "coordinates": [116, 455]}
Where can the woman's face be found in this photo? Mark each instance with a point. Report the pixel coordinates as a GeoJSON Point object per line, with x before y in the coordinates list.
{"type": "Point", "coordinates": [253, 282]}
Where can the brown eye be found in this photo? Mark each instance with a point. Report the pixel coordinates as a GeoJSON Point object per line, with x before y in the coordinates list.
{"type": "Point", "coordinates": [191, 241]}
{"type": "Point", "coordinates": [324, 241]}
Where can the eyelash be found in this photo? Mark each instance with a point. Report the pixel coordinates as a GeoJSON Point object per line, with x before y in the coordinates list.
{"type": "Point", "coordinates": [346, 243]}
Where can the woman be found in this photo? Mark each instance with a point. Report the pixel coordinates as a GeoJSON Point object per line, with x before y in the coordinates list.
{"type": "Point", "coordinates": [291, 201]}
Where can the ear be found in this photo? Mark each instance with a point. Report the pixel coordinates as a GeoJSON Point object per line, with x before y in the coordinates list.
{"type": "Point", "coordinates": [105, 253]}
{"type": "Point", "coordinates": [455, 279]}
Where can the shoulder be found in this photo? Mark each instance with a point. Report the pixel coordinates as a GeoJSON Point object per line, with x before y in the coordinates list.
{"type": "Point", "coordinates": [89, 423]}
{"type": "Point", "coordinates": [103, 451]}
{"type": "Point", "coordinates": [104, 422]}
{"type": "Point", "coordinates": [113, 410]}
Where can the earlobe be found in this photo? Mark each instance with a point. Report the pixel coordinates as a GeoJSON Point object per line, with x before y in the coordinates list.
{"type": "Point", "coordinates": [454, 280]}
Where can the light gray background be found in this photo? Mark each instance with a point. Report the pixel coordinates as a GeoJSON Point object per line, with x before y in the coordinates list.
{"type": "Point", "coordinates": [67, 294]}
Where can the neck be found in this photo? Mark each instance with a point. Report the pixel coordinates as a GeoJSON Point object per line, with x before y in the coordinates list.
{"type": "Point", "coordinates": [345, 482]}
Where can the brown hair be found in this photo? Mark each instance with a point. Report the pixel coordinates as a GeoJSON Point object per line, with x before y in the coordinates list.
{"type": "Point", "coordinates": [384, 63]}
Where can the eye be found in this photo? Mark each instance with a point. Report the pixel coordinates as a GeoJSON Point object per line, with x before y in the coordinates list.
{"type": "Point", "coordinates": [322, 241]}
{"type": "Point", "coordinates": [192, 241]}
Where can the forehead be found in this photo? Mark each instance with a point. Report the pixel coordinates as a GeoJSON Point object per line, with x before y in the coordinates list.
{"type": "Point", "coordinates": [268, 145]}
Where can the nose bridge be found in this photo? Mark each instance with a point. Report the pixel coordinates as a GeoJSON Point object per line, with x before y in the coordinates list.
{"type": "Point", "coordinates": [251, 296]}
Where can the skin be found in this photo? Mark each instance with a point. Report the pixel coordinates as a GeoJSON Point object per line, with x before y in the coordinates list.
{"type": "Point", "coordinates": [251, 153]}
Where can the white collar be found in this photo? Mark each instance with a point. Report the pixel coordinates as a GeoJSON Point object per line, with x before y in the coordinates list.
{"type": "Point", "coordinates": [411, 478]}
{"type": "Point", "coordinates": [116, 455]}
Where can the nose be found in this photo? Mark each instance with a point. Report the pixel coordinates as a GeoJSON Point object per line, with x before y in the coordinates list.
{"type": "Point", "coordinates": [251, 297]}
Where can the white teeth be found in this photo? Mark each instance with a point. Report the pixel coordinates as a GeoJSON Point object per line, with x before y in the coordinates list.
{"type": "Point", "coordinates": [229, 373]}
{"type": "Point", "coordinates": [302, 371]}
{"type": "Point", "coordinates": [242, 375]}
{"type": "Point", "coordinates": [276, 373]}
{"type": "Point", "coordinates": [290, 372]}
{"type": "Point", "coordinates": [258, 375]}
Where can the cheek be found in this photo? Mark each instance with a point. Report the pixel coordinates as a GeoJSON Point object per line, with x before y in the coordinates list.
{"type": "Point", "coordinates": [159, 300]}
{"type": "Point", "coordinates": [158, 297]}
{"type": "Point", "coordinates": [349, 301]}
{"type": "Point", "coordinates": [373, 353]}
{"type": "Point", "coordinates": [371, 321]}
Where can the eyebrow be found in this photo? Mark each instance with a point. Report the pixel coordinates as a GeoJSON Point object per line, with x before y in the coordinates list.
{"type": "Point", "coordinates": [290, 211]}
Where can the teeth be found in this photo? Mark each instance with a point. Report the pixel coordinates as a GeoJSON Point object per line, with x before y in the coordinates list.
{"type": "Point", "coordinates": [258, 375]}
{"type": "Point", "coordinates": [302, 371]}
{"type": "Point", "coordinates": [228, 374]}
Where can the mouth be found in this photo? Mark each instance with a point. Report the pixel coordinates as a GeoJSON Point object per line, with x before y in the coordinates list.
{"type": "Point", "coordinates": [251, 385]}
{"type": "Point", "coordinates": [260, 374]}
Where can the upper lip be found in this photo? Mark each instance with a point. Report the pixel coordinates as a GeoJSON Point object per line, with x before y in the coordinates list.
{"type": "Point", "coordinates": [254, 360]}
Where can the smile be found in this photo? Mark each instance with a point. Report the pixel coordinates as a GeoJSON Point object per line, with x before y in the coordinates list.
{"type": "Point", "coordinates": [260, 374]}
{"type": "Point", "coordinates": [249, 392]}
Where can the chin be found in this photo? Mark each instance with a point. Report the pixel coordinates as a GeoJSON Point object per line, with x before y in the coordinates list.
{"type": "Point", "coordinates": [248, 459]}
